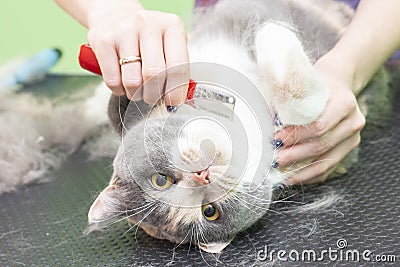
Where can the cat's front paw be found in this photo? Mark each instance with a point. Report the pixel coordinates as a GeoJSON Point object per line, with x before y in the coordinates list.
{"type": "Point", "coordinates": [295, 90]}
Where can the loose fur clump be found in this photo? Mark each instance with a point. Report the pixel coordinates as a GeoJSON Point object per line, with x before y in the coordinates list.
{"type": "Point", "coordinates": [37, 135]}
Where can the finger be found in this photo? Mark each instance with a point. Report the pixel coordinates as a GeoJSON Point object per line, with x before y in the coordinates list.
{"type": "Point", "coordinates": [322, 165]}
{"type": "Point", "coordinates": [337, 108]}
{"type": "Point", "coordinates": [110, 69]}
{"type": "Point", "coordinates": [131, 72]}
{"type": "Point", "coordinates": [177, 58]}
{"type": "Point", "coordinates": [316, 147]}
{"type": "Point", "coordinates": [319, 179]}
{"type": "Point", "coordinates": [153, 65]}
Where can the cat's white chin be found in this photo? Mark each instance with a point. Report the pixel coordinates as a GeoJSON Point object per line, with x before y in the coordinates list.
{"type": "Point", "coordinates": [214, 247]}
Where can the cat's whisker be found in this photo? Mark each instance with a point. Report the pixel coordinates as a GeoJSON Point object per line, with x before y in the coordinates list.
{"type": "Point", "coordinates": [254, 197]}
{"type": "Point", "coordinates": [120, 115]}
{"type": "Point", "coordinates": [275, 212]}
{"type": "Point", "coordinates": [143, 208]}
{"type": "Point", "coordinates": [191, 237]}
{"type": "Point", "coordinates": [305, 166]}
{"type": "Point", "coordinates": [286, 197]}
{"type": "Point", "coordinates": [244, 204]}
{"type": "Point", "coordinates": [247, 204]}
{"type": "Point", "coordinates": [183, 240]}
{"type": "Point", "coordinates": [137, 224]}
{"type": "Point", "coordinates": [262, 203]}
{"type": "Point", "coordinates": [204, 239]}
{"type": "Point", "coordinates": [224, 185]}
{"type": "Point", "coordinates": [198, 242]}
{"type": "Point", "coordinates": [134, 209]}
{"type": "Point", "coordinates": [240, 190]}
{"type": "Point", "coordinates": [198, 232]}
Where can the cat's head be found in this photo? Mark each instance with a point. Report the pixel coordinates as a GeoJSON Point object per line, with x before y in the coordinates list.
{"type": "Point", "coordinates": [154, 187]}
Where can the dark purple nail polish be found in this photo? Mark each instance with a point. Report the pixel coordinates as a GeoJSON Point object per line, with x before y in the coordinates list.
{"type": "Point", "coordinates": [277, 121]}
{"type": "Point", "coordinates": [277, 143]}
{"type": "Point", "coordinates": [172, 109]}
{"type": "Point", "coordinates": [279, 187]}
{"type": "Point", "coordinates": [275, 164]}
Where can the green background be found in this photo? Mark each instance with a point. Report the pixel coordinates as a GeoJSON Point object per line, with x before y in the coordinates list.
{"type": "Point", "coordinates": [28, 26]}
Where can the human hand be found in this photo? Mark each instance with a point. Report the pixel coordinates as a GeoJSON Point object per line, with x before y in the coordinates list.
{"type": "Point", "coordinates": [321, 145]}
{"type": "Point", "coordinates": [124, 29]}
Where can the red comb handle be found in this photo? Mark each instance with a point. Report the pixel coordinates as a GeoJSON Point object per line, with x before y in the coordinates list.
{"type": "Point", "coordinates": [191, 89]}
{"type": "Point", "coordinates": [88, 60]}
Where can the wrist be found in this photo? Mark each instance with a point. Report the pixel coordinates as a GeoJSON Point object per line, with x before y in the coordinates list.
{"type": "Point", "coordinates": [339, 68]}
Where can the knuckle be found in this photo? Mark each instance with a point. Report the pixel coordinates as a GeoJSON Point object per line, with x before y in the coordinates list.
{"type": "Point", "coordinates": [141, 15]}
{"type": "Point", "coordinates": [100, 39]}
{"type": "Point", "coordinates": [294, 136]}
{"type": "Point", "coordinates": [322, 170]}
{"type": "Point", "coordinates": [128, 28]}
{"type": "Point", "coordinates": [359, 123]}
{"type": "Point", "coordinates": [350, 102]}
{"type": "Point", "coordinates": [283, 159]}
{"type": "Point", "coordinates": [176, 21]}
{"type": "Point", "coordinates": [113, 84]}
{"type": "Point", "coordinates": [320, 147]}
{"type": "Point", "coordinates": [320, 127]}
{"type": "Point", "coordinates": [149, 72]}
{"type": "Point", "coordinates": [178, 69]}
{"type": "Point", "coordinates": [132, 84]}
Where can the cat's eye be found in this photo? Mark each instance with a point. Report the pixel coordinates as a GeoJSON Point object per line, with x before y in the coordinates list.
{"type": "Point", "coordinates": [161, 181]}
{"type": "Point", "coordinates": [210, 212]}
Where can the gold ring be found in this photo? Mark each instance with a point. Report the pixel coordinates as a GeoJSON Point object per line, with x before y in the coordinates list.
{"type": "Point", "coordinates": [131, 59]}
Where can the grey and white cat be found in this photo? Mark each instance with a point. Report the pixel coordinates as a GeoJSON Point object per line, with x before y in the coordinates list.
{"type": "Point", "coordinates": [274, 44]}
{"type": "Point", "coordinates": [271, 42]}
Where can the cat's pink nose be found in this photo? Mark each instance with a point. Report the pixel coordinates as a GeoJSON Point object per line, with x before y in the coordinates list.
{"type": "Point", "coordinates": [201, 177]}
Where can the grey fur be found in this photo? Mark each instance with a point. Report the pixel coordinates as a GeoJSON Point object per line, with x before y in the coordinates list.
{"type": "Point", "coordinates": [318, 23]}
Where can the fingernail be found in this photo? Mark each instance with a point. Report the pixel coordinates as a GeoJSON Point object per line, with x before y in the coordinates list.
{"type": "Point", "coordinates": [172, 109]}
{"type": "Point", "coordinates": [279, 187]}
{"type": "Point", "coordinates": [277, 121]}
{"type": "Point", "coordinates": [277, 143]}
{"type": "Point", "coordinates": [275, 164]}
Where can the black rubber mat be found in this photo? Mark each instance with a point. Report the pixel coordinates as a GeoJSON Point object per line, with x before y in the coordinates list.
{"type": "Point", "coordinates": [43, 225]}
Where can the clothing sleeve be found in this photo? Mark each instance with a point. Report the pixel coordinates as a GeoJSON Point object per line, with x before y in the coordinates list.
{"type": "Point", "coordinates": [352, 3]}
{"type": "Point", "coordinates": [205, 2]}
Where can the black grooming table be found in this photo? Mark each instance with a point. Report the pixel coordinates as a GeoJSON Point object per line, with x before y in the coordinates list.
{"type": "Point", "coordinates": [43, 225]}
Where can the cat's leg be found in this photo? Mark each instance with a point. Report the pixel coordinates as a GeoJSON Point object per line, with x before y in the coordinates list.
{"type": "Point", "coordinates": [293, 87]}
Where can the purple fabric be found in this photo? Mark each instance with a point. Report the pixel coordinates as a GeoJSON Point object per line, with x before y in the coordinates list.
{"type": "Point", "coordinates": [205, 2]}
{"type": "Point", "coordinates": [352, 3]}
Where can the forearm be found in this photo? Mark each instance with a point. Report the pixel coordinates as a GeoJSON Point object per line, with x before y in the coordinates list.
{"type": "Point", "coordinates": [372, 37]}
{"type": "Point", "coordinates": [81, 10]}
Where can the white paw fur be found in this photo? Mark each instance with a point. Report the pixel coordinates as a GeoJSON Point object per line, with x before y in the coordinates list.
{"type": "Point", "coordinates": [296, 92]}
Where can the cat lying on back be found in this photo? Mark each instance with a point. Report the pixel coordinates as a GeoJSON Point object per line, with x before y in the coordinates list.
{"type": "Point", "coordinates": [272, 42]}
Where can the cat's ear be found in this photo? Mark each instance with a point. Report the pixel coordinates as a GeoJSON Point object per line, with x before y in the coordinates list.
{"type": "Point", "coordinates": [298, 95]}
{"type": "Point", "coordinates": [107, 205]}
{"type": "Point", "coordinates": [214, 247]}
